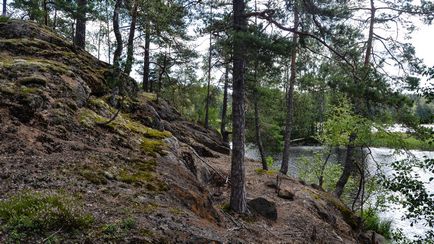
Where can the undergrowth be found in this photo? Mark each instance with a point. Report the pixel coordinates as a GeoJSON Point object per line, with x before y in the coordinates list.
{"type": "Point", "coordinates": [28, 214]}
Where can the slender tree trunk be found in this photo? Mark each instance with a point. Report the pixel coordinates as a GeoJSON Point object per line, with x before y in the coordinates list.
{"type": "Point", "coordinates": [99, 40]}
{"type": "Point", "coordinates": [73, 30]}
{"type": "Point", "coordinates": [348, 168]}
{"type": "Point", "coordinates": [225, 106]}
{"type": "Point", "coordinates": [359, 108]}
{"type": "Point", "coordinates": [45, 12]}
{"type": "Point", "coordinates": [290, 95]}
{"type": "Point", "coordinates": [109, 48]}
{"type": "Point", "coordinates": [4, 11]}
{"type": "Point", "coordinates": [146, 58]}
{"type": "Point", "coordinates": [55, 17]}
{"type": "Point", "coordinates": [80, 29]}
{"type": "Point", "coordinates": [118, 51]}
{"type": "Point", "coordinates": [130, 43]}
{"type": "Point", "coordinates": [238, 188]}
{"type": "Point", "coordinates": [258, 129]}
{"type": "Point", "coordinates": [370, 36]}
{"type": "Point", "coordinates": [209, 74]}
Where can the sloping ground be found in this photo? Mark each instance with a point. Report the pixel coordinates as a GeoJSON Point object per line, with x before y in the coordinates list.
{"type": "Point", "coordinates": [147, 176]}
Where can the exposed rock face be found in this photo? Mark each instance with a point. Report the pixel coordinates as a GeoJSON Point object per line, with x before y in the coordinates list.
{"type": "Point", "coordinates": [54, 102]}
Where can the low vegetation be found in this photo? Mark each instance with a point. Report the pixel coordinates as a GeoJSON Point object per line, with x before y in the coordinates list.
{"type": "Point", "coordinates": [32, 213]}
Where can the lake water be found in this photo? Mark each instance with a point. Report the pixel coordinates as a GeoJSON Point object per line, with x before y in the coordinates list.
{"type": "Point", "coordinates": [381, 156]}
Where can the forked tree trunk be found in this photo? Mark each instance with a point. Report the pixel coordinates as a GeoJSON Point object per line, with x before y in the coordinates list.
{"type": "Point", "coordinates": [238, 175]}
{"type": "Point", "coordinates": [118, 50]}
{"type": "Point", "coordinates": [290, 95]}
{"type": "Point", "coordinates": [130, 43]}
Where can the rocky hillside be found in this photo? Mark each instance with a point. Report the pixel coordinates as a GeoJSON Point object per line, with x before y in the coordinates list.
{"type": "Point", "coordinates": [70, 173]}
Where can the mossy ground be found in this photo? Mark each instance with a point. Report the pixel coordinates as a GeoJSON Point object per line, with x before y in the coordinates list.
{"type": "Point", "coordinates": [142, 174]}
{"type": "Point", "coordinates": [32, 63]}
{"type": "Point", "coordinates": [32, 213]}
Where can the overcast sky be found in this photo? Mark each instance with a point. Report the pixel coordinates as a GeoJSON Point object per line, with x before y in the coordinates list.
{"type": "Point", "coordinates": [422, 40]}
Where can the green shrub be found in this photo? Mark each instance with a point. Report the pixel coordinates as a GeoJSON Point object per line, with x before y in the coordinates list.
{"type": "Point", "coordinates": [29, 213]}
{"type": "Point", "coordinates": [371, 221]}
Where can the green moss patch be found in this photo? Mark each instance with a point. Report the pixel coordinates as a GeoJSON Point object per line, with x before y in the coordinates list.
{"type": "Point", "coordinates": [122, 124]}
{"type": "Point", "coordinates": [33, 213]}
{"type": "Point", "coordinates": [24, 90]}
{"type": "Point", "coordinates": [152, 147]}
{"type": "Point", "coordinates": [267, 172]}
{"type": "Point", "coordinates": [142, 174]}
{"type": "Point", "coordinates": [25, 64]}
{"type": "Point", "coordinates": [95, 176]}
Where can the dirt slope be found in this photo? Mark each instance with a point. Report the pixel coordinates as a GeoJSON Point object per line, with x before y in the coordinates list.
{"type": "Point", "coordinates": [148, 176]}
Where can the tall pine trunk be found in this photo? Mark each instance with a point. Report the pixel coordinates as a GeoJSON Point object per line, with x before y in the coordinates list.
{"type": "Point", "coordinates": [223, 131]}
{"type": "Point", "coordinates": [118, 51]}
{"type": "Point", "coordinates": [209, 75]}
{"type": "Point", "coordinates": [290, 96]}
{"type": "Point", "coordinates": [359, 107]}
{"type": "Point", "coordinates": [146, 58]}
{"type": "Point", "coordinates": [80, 29]}
{"type": "Point", "coordinates": [130, 43]}
{"type": "Point", "coordinates": [4, 11]}
{"type": "Point", "coordinates": [238, 188]}
{"type": "Point", "coordinates": [45, 12]}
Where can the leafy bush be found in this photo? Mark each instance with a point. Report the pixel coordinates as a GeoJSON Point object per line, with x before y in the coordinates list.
{"type": "Point", "coordinates": [30, 213]}
{"type": "Point", "coordinates": [371, 221]}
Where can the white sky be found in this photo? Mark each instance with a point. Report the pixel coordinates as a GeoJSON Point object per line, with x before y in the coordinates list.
{"type": "Point", "coordinates": [422, 39]}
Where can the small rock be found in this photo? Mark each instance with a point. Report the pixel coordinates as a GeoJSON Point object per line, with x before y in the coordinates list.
{"type": "Point", "coordinates": [285, 194]}
{"type": "Point", "coordinates": [108, 175]}
{"type": "Point", "coordinates": [372, 237]}
{"type": "Point", "coordinates": [271, 184]}
{"type": "Point", "coordinates": [263, 207]}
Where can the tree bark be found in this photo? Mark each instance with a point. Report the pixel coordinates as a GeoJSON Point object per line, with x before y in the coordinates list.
{"type": "Point", "coordinates": [80, 29]}
{"type": "Point", "coordinates": [55, 18]}
{"type": "Point", "coordinates": [109, 49]}
{"type": "Point", "coordinates": [223, 131]}
{"type": "Point", "coordinates": [45, 12]}
{"type": "Point", "coordinates": [238, 188]}
{"type": "Point", "coordinates": [348, 168]}
{"type": "Point", "coordinates": [4, 11]}
{"type": "Point", "coordinates": [290, 95]}
{"type": "Point", "coordinates": [146, 58]}
{"type": "Point", "coordinates": [130, 43]}
{"type": "Point", "coordinates": [258, 128]}
{"type": "Point", "coordinates": [118, 51]}
{"type": "Point", "coordinates": [209, 75]}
